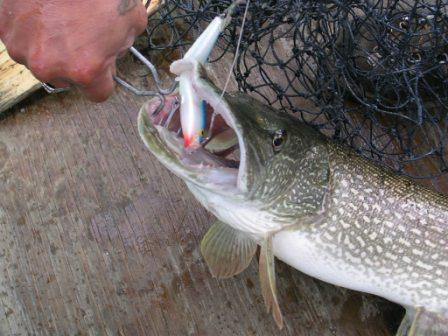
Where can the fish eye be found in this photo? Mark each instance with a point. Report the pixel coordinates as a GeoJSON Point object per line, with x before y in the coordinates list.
{"type": "Point", "coordinates": [278, 140]}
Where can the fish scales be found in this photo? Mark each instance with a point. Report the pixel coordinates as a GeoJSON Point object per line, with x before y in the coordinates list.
{"type": "Point", "coordinates": [375, 218]}
{"type": "Point", "coordinates": [386, 222]}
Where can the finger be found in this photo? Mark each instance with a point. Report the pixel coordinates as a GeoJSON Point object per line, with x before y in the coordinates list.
{"type": "Point", "coordinates": [126, 45]}
{"type": "Point", "coordinates": [60, 84]}
{"type": "Point", "coordinates": [46, 65]}
{"type": "Point", "coordinates": [15, 54]}
{"type": "Point", "coordinates": [122, 53]}
{"type": "Point", "coordinates": [142, 19]}
{"type": "Point", "coordinates": [15, 36]}
{"type": "Point", "coordinates": [15, 47]}
{"type": "Point", "coordinates": [102, 87]}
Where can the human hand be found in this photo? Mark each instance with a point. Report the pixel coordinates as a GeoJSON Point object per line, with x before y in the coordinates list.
{"type": "Point", "coordinates": [66, 42]}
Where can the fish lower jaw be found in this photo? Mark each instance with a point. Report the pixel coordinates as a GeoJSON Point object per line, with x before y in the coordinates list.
{"type": "Point", "coordinates": [235, 212]}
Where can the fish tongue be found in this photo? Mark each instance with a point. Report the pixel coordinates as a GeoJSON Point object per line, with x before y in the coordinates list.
{"type": "Point", "coordinates": [222, 142]}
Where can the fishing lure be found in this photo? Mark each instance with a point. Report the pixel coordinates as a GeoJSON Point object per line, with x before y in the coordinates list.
{"type": "Point", "coordinates": [192, 108]}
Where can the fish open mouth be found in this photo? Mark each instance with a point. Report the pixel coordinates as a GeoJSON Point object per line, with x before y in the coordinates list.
{"type": "Point", "coordinates": [216, 163]}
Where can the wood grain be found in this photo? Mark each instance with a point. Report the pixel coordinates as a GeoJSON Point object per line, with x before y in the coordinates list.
{"type": "Point", "coordinates": [97, 238]}
{"type": "Point", "coordinates": [16, 82]}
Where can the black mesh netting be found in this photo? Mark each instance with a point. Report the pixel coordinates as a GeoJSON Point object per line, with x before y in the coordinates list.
{"type": "Point", "coordinates": [372, 74]}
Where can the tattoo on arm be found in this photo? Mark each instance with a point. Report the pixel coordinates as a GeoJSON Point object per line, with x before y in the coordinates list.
{"type": "Point", "coordinates": [125, 6]}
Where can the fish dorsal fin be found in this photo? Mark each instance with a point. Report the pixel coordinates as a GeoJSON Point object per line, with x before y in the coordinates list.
{"type": "Point", "coordinates": [227, 251]}
{"type": "Point", "coordinates": [419, 321]}
{"type": "Point", "coordinates": [267, 281]}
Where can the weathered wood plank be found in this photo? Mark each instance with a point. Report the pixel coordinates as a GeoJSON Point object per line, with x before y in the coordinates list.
{"type": "Point", "coordinates": [16, 82]}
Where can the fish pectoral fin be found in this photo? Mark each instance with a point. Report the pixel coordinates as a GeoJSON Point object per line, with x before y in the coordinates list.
{"type": "Point", "coordinates": [267, 281]}
{"type": "Point", "coordinates": [227, 251]}
{"type": "Point", "coordinates": [418, 321]}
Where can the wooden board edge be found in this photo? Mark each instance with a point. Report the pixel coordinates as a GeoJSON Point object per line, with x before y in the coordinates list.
{"type": "Point", "coordinates": [16, 82]}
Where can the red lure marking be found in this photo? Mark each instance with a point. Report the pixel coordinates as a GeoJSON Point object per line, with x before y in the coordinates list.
{"type": "Point", "coordinates": [188, 141]}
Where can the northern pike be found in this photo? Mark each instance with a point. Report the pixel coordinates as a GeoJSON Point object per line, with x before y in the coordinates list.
{"type": "Point", "coordinates": [314, 204]}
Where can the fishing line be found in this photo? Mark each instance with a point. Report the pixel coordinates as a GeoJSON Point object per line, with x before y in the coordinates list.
{"type": "Point", "coordinates": [237, 52]}
{"type": "Point", "coordinates": [235, 59]}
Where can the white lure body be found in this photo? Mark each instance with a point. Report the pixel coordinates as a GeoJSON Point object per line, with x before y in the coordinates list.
{"type": "Point", "coordinates": [192, 109]}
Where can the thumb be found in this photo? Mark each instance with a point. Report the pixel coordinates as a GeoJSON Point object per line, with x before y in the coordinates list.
{"type": "Point", "coordinates": [102, 87]}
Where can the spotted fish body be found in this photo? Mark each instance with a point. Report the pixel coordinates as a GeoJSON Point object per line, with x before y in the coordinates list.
{"type": "Point", "coordinates": [319, 207]}
{"type": "Point", "coordinates": [389, 233]}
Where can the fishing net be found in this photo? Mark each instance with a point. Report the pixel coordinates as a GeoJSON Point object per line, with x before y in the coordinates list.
{"type": "Point", "coordinates": [369, 73]}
